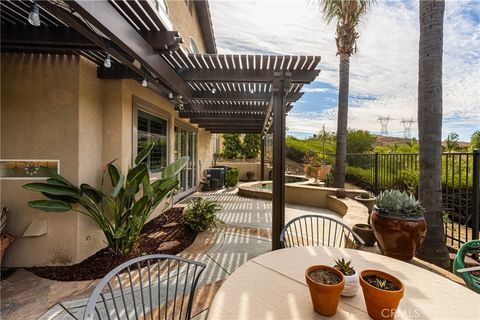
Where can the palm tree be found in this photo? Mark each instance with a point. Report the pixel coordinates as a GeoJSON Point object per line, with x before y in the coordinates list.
{"type": "Point", "coordinates": [347, 14]}
{"type": "Point", "coordinates": [430, 106]}
{"type": "Point", "coordinates": [452, 141]}
{"type": "Point", "coordinates": [475, 140]}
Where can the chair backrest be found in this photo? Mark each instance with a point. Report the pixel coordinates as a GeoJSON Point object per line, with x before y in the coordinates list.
{"type": "Point", "coordinates": [150, 287]}
{"type": "Point", "coordinates": [319, 230]}
{"type": "Point", "coordinates": [471, 279]}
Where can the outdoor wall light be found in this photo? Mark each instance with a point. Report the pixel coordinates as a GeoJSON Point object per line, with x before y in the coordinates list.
{"type": "Point", "coordinates": [34, 15]}
{"type": "Point", "coordinates": [144, 82]}
{"type": "Point", "coordinates": [107, 63]}
{"type": "Point", "coordinates": [214, 90]}
{"type": "Point", "coordinates": [170, 95]}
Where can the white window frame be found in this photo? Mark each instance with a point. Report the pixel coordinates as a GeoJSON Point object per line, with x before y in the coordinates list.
{"type": "Point", "coordinates": [192, 45]}
{"type": "Point", "coordinates": [142, 105]}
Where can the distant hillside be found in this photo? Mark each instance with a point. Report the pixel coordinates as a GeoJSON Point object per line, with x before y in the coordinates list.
{"type": "Point", "coordinates": [384, 141]}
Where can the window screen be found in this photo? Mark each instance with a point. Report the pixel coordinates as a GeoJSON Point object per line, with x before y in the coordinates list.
{"type": "Point", "coordinates": [151, 128]}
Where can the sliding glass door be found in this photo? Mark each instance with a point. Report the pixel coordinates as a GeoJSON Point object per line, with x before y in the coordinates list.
{"type": "Point", "coordinates": [186, 145]}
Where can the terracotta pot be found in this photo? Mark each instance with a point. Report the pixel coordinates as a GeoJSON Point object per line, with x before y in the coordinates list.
{"type": "Point", "coordinates": [325, 297]}
{"type": "Point", "coordinates": [369, 203]}
{"type": "Point", "coordinates": [365, 232]}
{"type": "Point", "coordinates": [323, 171]}
{"type": "Point", "coordinates": [381, 304]}
{"type": "Point", "coordinates": [399, 236]}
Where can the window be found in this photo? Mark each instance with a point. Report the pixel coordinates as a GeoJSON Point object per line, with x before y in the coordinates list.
{"type": "Point", "coordinates": [151, 128]}
{"type": "Point", "coordinates": [161, 5]}
{"type": "Point", "coordinates": [193, 46]}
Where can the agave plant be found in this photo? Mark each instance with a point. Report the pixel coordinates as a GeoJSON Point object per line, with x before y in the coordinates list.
{"type": "Point", "coordinates": [397, 202]}
{"type": "Point", "coordinates": [120, 213]}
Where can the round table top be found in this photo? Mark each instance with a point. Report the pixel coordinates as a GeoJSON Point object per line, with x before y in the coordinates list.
{"type": "Point", "coordinates": [272, 286]}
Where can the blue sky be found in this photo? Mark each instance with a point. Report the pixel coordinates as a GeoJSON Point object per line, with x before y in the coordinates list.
{"type": "Point", "coordinates": [383, 73]}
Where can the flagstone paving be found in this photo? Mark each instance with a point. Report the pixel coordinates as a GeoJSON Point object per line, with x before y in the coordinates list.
{"type": "Point", "coordinates": [245, 234]}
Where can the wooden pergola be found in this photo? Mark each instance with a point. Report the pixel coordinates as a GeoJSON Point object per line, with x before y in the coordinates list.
{"type": "Point", "coordinates": [222, 93]}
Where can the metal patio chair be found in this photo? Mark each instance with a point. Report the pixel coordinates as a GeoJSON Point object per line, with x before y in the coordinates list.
{"type": "Point", "coordinates": [459, 268]}
{"type": "Point", "coordinates": [148, 287]}
{"type": "Point", "coordinates": [319, 230]}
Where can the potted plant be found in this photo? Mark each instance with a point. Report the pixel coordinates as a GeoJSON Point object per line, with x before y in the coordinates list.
{"type": "Point", "coordinates": [351, 277]}
{"type": "Point", "coordinates": [231, 178]}
{"type": "Point", "coordinates": [250, 175]}
{"type": "Point", "coordinates": [382, 293]}
{"type": "Point", "coordinates": [398, 223]}
{"type": "Point", "coordinates": [325, 284]}
{"type": "Point", "coordinates": [365, 232]}
{"type": "Point", "coordinates": [365, 199]}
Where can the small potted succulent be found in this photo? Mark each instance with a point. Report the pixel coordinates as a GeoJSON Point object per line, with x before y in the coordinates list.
{"type": "Point", "coordinates": [351, 277]}
{"type": "Point", "coordinates": [326, 285]}
{"type": "Point", "coordinates": [399, 224]}
{"type": "Point", "coordinates": [250, 175]}
{"type": "Point", "coordinates": [382, 293]}
{"type": "Point", "coordinates": [365, 199]}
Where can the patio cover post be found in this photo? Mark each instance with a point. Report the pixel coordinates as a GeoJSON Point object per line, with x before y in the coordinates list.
{"type": "Point", "coordinates": [262, 159]}
{"type": "Point", "coordinates": [281, 83]}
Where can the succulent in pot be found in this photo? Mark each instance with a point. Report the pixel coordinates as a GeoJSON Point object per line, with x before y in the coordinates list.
{"type": "Point", "coordinates": [399, 224]}
{"type": "Point", "coordinates": [382, 293]}
{"type": "Point", "coordinates": [368, 201]}
{"type": "Point", "coordinates": [250, 175]}
{"type": "Point", "coordinates": [351, 277]}
{"type": "Point", "coordinates": [326, 285]}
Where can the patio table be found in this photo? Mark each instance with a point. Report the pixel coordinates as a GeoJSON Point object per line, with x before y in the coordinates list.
{"type": "Point", "coordinates": [272, 286]}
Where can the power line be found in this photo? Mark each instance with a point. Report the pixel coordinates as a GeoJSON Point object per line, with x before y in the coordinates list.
{"type": "Point", "coordinates": [384, 124]}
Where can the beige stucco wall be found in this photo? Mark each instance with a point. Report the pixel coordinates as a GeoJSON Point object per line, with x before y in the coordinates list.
{"type": "Point", "coordinates": [37, 123]}
{"type": "Point", "coordinates": [245, 167]}
{"type": "Point", "coordinates": [54, 107]}
{"type": "Point", "coordinates": [186, 22]}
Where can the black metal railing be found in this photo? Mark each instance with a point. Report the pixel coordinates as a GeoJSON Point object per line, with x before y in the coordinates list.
{"type": "Point", "coordinates": [460, 185]}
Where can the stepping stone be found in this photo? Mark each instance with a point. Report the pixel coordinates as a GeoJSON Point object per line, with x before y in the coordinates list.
{"type": "Point", "coordinates": [168, 245]}
{"type": "Point", "coordinates": [157, 234]}
{"type": "Point", "coordinates": [170, 225]}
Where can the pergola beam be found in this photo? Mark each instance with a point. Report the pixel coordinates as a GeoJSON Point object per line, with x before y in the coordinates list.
{"type": "Point", "coordinates": [241, 96]}
{"type": "Point", "coordinates": [280, 83]}
{"type": "Point", "coordinates": [107, 20]}
{"type": "Point", "coordinates": [244, 75]}
{"type": "Point", "coordinates": [232, 120]}
{"type": "Point", "coordinates": [45, 38]}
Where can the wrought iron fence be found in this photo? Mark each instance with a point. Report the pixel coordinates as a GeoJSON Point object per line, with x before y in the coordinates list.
{"type": "Point", "coordinates": [460, 185]}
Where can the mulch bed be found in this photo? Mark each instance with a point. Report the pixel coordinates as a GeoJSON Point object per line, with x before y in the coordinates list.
{"type": "Point", "coordinates": [99, 264]}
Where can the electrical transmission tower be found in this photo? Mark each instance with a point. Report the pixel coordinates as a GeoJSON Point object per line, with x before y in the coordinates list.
{"type": "Point", "coordinates": [384, 123]}
{"type": "Point", "coordinates": [407, 127]}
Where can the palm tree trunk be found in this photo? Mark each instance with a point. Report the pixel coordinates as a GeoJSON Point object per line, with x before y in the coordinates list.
{"type": "Point", "coordinates": [430, 106]}
{"type": "Point", "coordinates": [342, 122]}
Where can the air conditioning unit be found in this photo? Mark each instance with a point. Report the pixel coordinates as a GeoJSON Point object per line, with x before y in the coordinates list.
{"type": "Point", "coordinates": [217, 173]}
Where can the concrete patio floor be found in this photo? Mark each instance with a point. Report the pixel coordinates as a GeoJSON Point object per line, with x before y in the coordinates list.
{"type": "Point", "coordinates": [245, 234]}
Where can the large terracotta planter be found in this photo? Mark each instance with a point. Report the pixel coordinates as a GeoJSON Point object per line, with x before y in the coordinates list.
{"type": "Point", "coordinates": [323, 171]}
{"type": "Point", "coordinates": [398, 236]}
{"type": "Point", "coordinates": [325, 297]}
{"type": "Point", "coordinates": [381, 304]}
{"type": "Point", "coordinates": [365, 232]}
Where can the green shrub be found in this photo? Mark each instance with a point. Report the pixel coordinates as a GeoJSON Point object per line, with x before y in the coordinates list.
{"type": "Point", "coordinates": [231, 177]}
{"type": "Point", "coordinates": [409, 179]}
{"type": "Point", "coordinates": [201, 214]}
{"type": "Point", "coordinates": [232, 146]}
{"type": "Point", "coordinates": [121, 213]}
{"type": "Point", "coordinates": [251, 145]}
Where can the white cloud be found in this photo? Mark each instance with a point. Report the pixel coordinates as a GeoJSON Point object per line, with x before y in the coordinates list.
{"type": "Point", "coordinates": [385, 68]}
